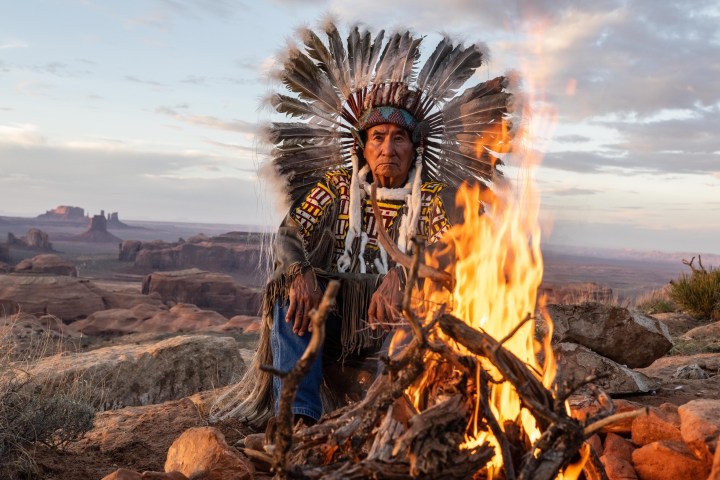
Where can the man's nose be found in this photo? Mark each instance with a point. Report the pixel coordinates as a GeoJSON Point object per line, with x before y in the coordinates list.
{"type": "Point", "coordinates": [388, 147]}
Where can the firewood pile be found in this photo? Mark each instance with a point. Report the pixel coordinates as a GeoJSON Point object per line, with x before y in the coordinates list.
{"type": "Point", "coordinates": [450, 367]}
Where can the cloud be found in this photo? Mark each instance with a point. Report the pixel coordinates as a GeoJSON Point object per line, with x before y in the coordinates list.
{"type": "Point", "coordinates": [165, 12]}
{"type": "Point", "coordinates": [572, 139]}
{"type": "Point", "coordinates": [573, 191]}
{"type": "Point", "coordinates": [195, 80]}
{"type": "Point", "coordinates": [209, 121]}
{"type": "Point", "coordinates": [20, 134]}
{"type": "Point", "coordinates": [12, 45]}
{"type": "Point", "coordinates": [132, 78]}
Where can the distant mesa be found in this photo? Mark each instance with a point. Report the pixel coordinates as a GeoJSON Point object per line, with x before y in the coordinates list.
{"type": "Point", "coordinates": [34, 239]}
{"type": "Point", "coordinates": [64, 213]}
{"type": "Point", "coordinates": [236, 252]}
{"type": "Point", "coordinates": [97, 231]}
{"type": "Point", "coordinates": [76, 215]}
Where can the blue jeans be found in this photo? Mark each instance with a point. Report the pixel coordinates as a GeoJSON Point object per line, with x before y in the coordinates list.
{"type": "Point", "coordinates": [287, 348]}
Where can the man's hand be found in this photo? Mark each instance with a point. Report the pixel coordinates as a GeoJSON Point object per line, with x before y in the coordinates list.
{"type": "Point", "coordinates": [305, 295]}
{"type": "Point", "coordinates": [386, 303]}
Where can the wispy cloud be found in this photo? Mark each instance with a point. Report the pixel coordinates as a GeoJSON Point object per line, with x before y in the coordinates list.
{"type": "Point", "coordinates": [20, 134]}
{"type": "Point", "coordinates": [210, 121]}
{"type": "Point", "coordinates": [134, 79]}
{"type": "Point", "coordinates": [11, 45]}
{"type": "Point", "coordinates": [573, 191]}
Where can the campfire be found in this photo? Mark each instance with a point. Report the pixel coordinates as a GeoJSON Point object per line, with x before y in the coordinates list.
{"type": "Point", "coordinates": [471, 392]}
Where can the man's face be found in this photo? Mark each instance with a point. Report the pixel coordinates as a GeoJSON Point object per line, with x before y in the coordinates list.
{"type": "Point", "coordinates": [389, 153]}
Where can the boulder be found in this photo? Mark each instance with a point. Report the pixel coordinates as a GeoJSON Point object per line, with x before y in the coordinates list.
{"type": "Point", "coordinates": [700, 426]}
{"type": "Point", "coordinates": [576, 362]}
{"type": "Point", "coordinates": [617, 446]}
{"type": "Point", "coordinates": [47, 264]}
{"type": "Point", "coordinates": [658, 424]}
{"type": "Point", "coordinates": [703, 332]}
{"type": "Point", "coordinates": [118, 321]}
{"type": "Point", "coordinates": [583, 406]}
{"type": "Point", "coordinates": [148, 373]}
{"type": "Point", "coordinates": [67, 298]}
{"type": "Point", "coordinates": [124, 295]}
{"type": "Point", "coordinates": [668, 460]}
{"type": "Point", "coordinates": [202, 452]}
{"type": "Point", "coordinates": [142, 433]}
{"type": "Point", "coordinates": [624, 336]}
{"type": "Point", "coordinates": [213, 291]}
{"type": "Point", "coordinates": [667, 368]}
{"type": "Point", "coordinates": [715, 472]}
{"type": "Point", "coordinates": [618, 468]}
{"type": "Point", "coordinates": [4, 253]}
{"type": "Point", "coordinates": [240, 323]}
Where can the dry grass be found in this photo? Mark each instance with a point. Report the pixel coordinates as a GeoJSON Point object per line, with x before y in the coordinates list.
{"type": "Point", "coordinates": [655, 301]}
{"type": "Point", "coordinates": [698, 293]}
{"type": "Point", "coordinates": [31, 410]}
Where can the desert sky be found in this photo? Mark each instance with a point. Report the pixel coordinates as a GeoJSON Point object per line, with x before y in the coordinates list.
{"type": "Point", "coordinates": [150, 108]}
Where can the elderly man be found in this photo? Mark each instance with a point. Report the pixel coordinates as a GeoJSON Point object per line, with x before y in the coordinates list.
{"type": "Point", "coordinates": [366, 116]}
{"type": "Point", "coordinates": [387, 158]}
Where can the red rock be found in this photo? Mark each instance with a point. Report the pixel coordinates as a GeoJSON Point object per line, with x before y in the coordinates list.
{"type": "Point", "coordinates": [617, 446]}
{"type": "Point", "coordinates": [700, 426]}
{"type": "Point", "coordinates": [243, 323]}
{"type": "Point", "coordinates": [596, 443]}
{"type": "Point", "coordinates": [583, 406]}
{"type": "Point", "coordinates": [618, 468]}
{"type": "Point", "coordinates": [715, 472]}
{"type": "Point", "coordinates": [47, 263]}
{"type": "Point", "coordinates": [208, 290]}
{"type": "Point", "coordinates": [657, 425]}
{"type": "Point", "coordinates": [668, 460]}
{"type": "Point", "coordinates": [65, 297]}
{"type": "Point", "coordinates": [125, 474]}
{"type": "Point", "coordinates": [203, 450]}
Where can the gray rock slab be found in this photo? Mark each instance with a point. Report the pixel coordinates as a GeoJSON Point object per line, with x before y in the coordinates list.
{"type": "Point", "coordinates": [625, 336]}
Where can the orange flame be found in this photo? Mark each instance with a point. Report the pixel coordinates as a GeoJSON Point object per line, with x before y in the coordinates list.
{"type": "Point", "coordinates": [497, 273]}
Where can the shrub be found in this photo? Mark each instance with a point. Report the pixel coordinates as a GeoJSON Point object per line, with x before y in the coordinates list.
{"type": "Point", "coordinates": [699, 292]}
{"type": "Point", "coordinates": [655, 301]}
{"type": "Point", "coordinates": [32, 411]}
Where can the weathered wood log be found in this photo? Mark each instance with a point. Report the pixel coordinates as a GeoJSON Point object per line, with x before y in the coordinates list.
{"type": "Point", "coordinates": [562, 435]}
{"type": "Point", "coordinates": [531, 391]}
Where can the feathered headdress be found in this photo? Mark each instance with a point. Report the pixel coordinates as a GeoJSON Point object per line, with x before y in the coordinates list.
{"type": "Point", "coordinates": [338, 89]}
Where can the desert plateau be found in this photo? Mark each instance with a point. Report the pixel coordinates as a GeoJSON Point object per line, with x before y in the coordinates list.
{"type": "Point", "coordinates": [133, 329]}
